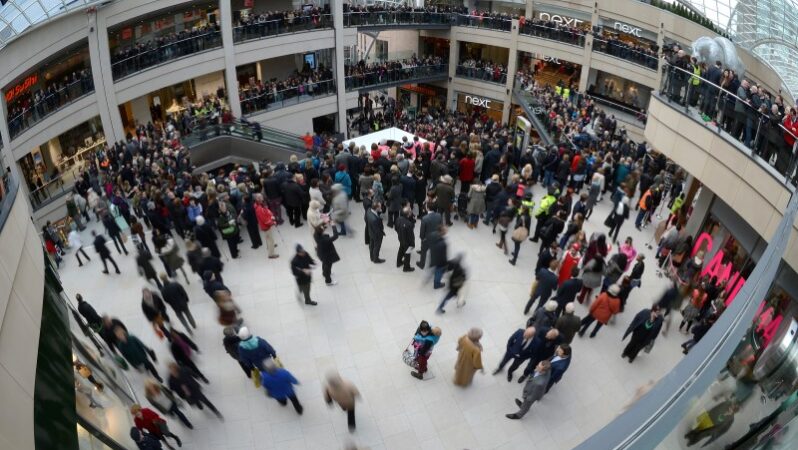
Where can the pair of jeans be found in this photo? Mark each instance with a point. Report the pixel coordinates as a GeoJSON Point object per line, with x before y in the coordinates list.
{"type": "Point", "coordinates": [438, 277]}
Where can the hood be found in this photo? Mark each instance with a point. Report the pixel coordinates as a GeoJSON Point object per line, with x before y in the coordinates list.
{"type": "Point", "coordinates": [249, 344]}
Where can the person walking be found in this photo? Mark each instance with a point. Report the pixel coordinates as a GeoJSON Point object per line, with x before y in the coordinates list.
{"type": "Point", "coordinates": [456, 281]}
{"type": "Point", "coordinates": [430, 223]}
{"type": "Point", "coordinates": [438, 257]}
{"type": "Point", "coordinates": [618, 216]}
{"type": "Point", "coordinates": [230, 341]}
{"type": "Point", "coordinates": [602, 309]}
{"type": "Point", "coordinates": [135, 352]}
{"type": "Point", "coordinates": [144, 440]}
{"type": "Point", "coordinates": [568, 323]}
{"type": "Point", "coordinates": [546, 284]}
{"type": "Point", "coordinates": [175, 296]}
{"type": "Point", "coordinates": [253, 350]}
{"type": "Point", "coordinates": [325, 250]}
{"type": "Point", "coordinates": [164, 400]}
{"type": "Point", "coordinates": [170, 255]}
{"type": "Point", "coordinates": [534, 389]}
{"type": "Point", "coordinates": [143, 258]}
{"type": "Point", "coordinates": [469, 357]}
{"type": "Point", "coordinates": [423, 341]}
{"type": "Point", "coordinates": [559, 364]}
{"type": "Point", "coordinates": [644, 329]}
{"type": "Point", "coordinates": [206, 236]}
{"type": "Point", "coordinates": [182, 381]}
{"type": "Point", "coordinates": [405, 230]}
{"type": "Point", "coordinates": [266, 223]}
{"type": "Point", "coordinates": [519, 349]}
{"type": "Point", "coordinates": [339, 211]}
{"type": "Point", "coordinates": [376, 231]}
{"type": "Point", "coordinates": [182, 349]}
{"type": "Point", "coordinates": [279, 384]}
{"type": "Point", "coordinates": [149, 420]}
{"type": "Point", "coordinates": [102, 250]}
{"type": "Point", "coordinates": [114, 232]}
{"type": "Point", "coordinates": [344, 394]}
{"type": "Point", "coordinates": [154, 310]}
{"type": "Point", "coordinates": [77, 244]}
{"type": "Point", "coordinates": [592, 275]}
{"type": "Point", "coordinates": [301, 265]}
{"type": "Point", "coordinates": [88, 312]}
{"type": "Point", "coordinates": [520, 232]}
{"type": "Point", "coordinates": [568, 290]}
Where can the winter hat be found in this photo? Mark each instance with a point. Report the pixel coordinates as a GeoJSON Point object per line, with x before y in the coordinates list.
{"type": "Point", "coordinates": [614, 290]}
{"type": "Point", "coordinates": [550, 306]}
{"type": "Point", "coordinates": [244, 333]}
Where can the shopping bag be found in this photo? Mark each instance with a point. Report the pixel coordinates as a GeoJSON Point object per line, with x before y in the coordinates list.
{"type": "Point", "coordinates": [255, 375]}
{"type": "Point", "coordinates": [610, 220]}
{"type": "Point", "coordinates": [409, 356]}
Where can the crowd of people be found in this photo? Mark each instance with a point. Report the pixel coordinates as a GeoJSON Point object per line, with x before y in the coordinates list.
{"type": "Point", "coordinates": [364, 74]}
{"type": "Point", "coordinates": [549, 29]}
{"type": "Point", "coordinates": [761, 120]}
{"type": "Point", "coordinates": [34, 105]}
{"type": "Point", "coordinates": [271, 23]}
{"type": "Point", "coordinates": [612, 44]}
{"type": "Point", "coordinates": [132, 58]}
{"type": "Point", "coordinates": [483, 70]}
{"type": "Point", "coordinates": [468, 169]}
{"type": "Point", "coordinates": [385, 14]}
{"type": "Point", "coordinates": [259, 95]}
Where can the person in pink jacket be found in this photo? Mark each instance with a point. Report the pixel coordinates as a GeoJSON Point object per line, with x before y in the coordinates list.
{"type": "Point", "coordinates": [628, 249]}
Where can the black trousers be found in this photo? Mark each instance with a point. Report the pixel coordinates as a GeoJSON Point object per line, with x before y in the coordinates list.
{"type": "Point", "coordinates": [517, 361]}
{"type": "Point", "coordinates": [374, 248]}
{"type": "Point", "coordinates": [294, 215]}
{"type": "Point", "coordinates": [326, 270]}
{"type": "Point", "coordinates": [80, 251]}
{"type": "Point", "coordinates": [254, 234]}
{"type": "Point", "coordinates": [105, 259]}
{"type": "Point", "coordinates": [350, 418]}
{"type": "Point", "coordinates": [294, 401]}
{"type": "Point", "coordinates": [403, 258]}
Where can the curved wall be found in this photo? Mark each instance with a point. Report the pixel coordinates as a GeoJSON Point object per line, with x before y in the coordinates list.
{"type": "Point", "coordinates": [752, 189]}
{"type": "Point", "coordinates": [21, 293]}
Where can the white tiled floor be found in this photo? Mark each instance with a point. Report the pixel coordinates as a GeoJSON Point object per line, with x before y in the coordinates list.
{"type": "Point", "coordinates": [360, 328]}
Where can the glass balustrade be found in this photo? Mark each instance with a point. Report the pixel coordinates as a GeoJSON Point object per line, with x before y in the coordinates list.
{"type": "Point", "coordinates": [621, 50]}
{"type": "Point", "coordinates": [486, 74]}
{"type": "Point", "coordinates": [490, 23]}
{"type": "Point", "coordinates": [565, 35]}
{"type": "Point", "coordinates": [253, 102]}
{"type": "Point", "coordinates": [137, 59]}
{"type": "Point", "coordinates": [388, 76]}
{"type": "Point", "coordinates": [22, 117]}
{"type": "Point", "coordinates": [395, 18]}
{"type": "Point", "coordinates": [267, 28]}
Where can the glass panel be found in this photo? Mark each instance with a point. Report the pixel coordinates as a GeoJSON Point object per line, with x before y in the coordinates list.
{"type": "Point", "coordinates": [254, 28]}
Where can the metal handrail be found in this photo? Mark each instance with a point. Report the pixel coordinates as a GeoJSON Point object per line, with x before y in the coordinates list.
{"type": "Point", "coordinates": [329, 90]}
{"type": "Point", "coordinates": [608, 44]}
{"type": "Point", "coordinates": [462, 71]}
{"type": "Point", "coordinates": [17, 130]}
{"type": "Point", "coordinates": [524, 30]}
{"type": "Point", "coordinates": [391, 74]}
{"type": "Point", "coordinates": [156, 61]}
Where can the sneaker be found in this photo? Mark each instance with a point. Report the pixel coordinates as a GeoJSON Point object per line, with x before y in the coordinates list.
{"type": "Point", "coordinates": [311, 303]}
{"type": "Point", "coordinates": [415, 374]}
{"type": "Point", "coordinates": [518, 402]}
{"type": "Point", "coordinates": [331, 283]}
{"type": "Point", "coordinates": [521, 379]}
{"type": "Point", "coordinates": [512, 416]}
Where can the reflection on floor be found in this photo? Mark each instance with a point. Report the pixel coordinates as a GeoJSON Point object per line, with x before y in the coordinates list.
{"type": "Point", "coordinates": [360, 328]}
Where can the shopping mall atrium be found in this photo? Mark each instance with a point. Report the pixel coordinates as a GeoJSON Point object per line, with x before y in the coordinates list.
{"type": "Point", "coordinates": [590, 206]}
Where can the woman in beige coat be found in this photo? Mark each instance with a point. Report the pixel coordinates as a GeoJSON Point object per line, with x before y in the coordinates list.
{"type": "Point", "coordinates": [344, 394]}
{"type": "Point", "coordinates": [469, 357]}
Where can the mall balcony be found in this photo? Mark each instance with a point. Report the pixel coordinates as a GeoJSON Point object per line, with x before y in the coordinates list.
{"type": "Point", "coordinates": [380, 79]}
{"type": "Point", "coordinates": [485, 74]}
{"type": "Point", "coordinates": [485, 23]}
{"type": "Point", "coordinates": [270, 101]}
{"type": "Point", "coordinates": [618, 49]}
{"type": "Point", "coordinates": [270, 28]}
{"type": "Point", "coordinates": [391, 20]}
{"type": "Point", "coordinates": [742, 153]}
{"type": "Point", "coordinates": [565, 35]}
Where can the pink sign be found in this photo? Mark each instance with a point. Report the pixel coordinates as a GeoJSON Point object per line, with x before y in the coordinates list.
{"type": "Point", "coordinates": [716, 268]}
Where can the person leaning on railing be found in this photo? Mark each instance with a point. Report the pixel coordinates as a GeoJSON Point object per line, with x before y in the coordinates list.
{"type": "Point", "coordinates": [269, 23]}
{"type": "Point", "coordinates": [261, 95]}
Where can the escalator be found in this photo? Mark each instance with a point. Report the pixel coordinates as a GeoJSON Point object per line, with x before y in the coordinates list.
{"type": "Point", "coordinates": [213, 146]}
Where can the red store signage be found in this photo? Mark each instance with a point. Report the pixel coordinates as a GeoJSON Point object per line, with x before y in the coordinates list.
{"type": "Point", "coordinates": [22, 87]}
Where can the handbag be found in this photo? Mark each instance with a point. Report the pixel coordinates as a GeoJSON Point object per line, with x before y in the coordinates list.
{"type": "Point", "coordinates": [255, 376]}
{"type": "Point", "coordinates": [610, 220]}
{"type": "Point", "coordinates": [520, 234]}
{"type": "Point", "coordinates": [409, 356]}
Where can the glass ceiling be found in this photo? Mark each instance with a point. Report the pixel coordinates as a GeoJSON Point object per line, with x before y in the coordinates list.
{"type": "Point", "coordinates": [768, 28]}
{"type": "Point", "coordinates": [16, 16]}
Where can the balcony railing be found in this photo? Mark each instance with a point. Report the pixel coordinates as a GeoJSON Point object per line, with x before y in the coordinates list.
{"type": "Point", "coordinates": [485, 74]}
{"type": "Point", "coordinates": [490, 23]}
{"type": "Point", "coordinates": [69, 171]}
{"type": "Point", "coordinates": [390, 76]}
{"type": "Point", "coordinates": [744, 121]}
{"type": "Point", "coordinates": [8, 191]}
{"type": "Point", "coordinates": [624, 52]}
{"type": "Point", "coordinates": [127, 65]}
{"type": "Point", "coordinates": [563, 35]}
{"type": "Point", "coordinates": [268, 101]}
{"type": "Point", "coordinates": [395, 18]}
{"type": "Point", "coordinates": [258, 30]}
{"type": "Point", "coordinates": [47, 105]}
{"type": "Point", "coordinates": [202, 130]}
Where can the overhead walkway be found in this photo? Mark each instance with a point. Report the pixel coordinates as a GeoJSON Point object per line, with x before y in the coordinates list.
{"type": "Point", "coordinates": [381, 79]}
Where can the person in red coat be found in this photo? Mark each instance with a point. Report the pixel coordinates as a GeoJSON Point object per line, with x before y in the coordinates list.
{"type": "Point", "coordinates": [147, 419]}
{"type": "Point", "coordinates": [467, 165]}
{"type": "Point", "coordinates": [569, 261]}
{"type": "Point", "coordinates": [602, 309]}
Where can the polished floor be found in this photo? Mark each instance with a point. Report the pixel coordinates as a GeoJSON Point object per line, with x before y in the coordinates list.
{"type": "Point", "coordinates": [360, 328]}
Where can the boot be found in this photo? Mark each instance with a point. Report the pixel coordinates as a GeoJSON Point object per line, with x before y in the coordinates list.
{"type": "Point", "coordinates": [415, 374]}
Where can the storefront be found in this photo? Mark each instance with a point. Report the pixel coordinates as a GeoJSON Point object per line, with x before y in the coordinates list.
{"type": "Point", "coordinates": [562, 16]}
{"type": "Point", "coordinates": [617, 89]}
{"type": "Point", "coordinates": [432, 46]}
{"type": "Point", "coordinates": [471, 103]}
{"type": "Point", "coordinates": [163, 23]}
{"type": "Point", "coordinates": [47, 87]}
{"type": "Point", "coordinates": [57, 162]}
{"type": "Point", "coordinates": [627, 41]}
{"type": "Point", "coordinates": [157, 105]}
{"type": "Point", "coordinates": [550, 70]}
{"type": "Point", "coordinates": [485, 53]}
{"type": "Point", "coordinates": [422, 96]}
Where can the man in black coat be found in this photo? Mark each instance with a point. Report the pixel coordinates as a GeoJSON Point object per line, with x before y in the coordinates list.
{"type": "Point", "coordinates": [89, 313]}
{"type": "Point", "coordinates": [438, 257]}
{"type": "Point", "coordinates": [405, 229]}
{"type": "Point", "coordinates": [301, 269]}
{"type": "Point", "coordinates": [293, 198]}
{"type": "Point", "coordinates": [644, 329]}
{"type": "Point", "coordinates": [567, 292]}
{"type": "Point", "coordinates": [546, 278]}
{"type": "Point", "coordinates": [431, 222]}
{"type": "Point", "coordinates": [543, 348]}
{"type": "Point", "coordinates": [212, 264]}
{"type": "Point", "coordinates": [325, 250]}
{"type": "Point", "coordinates": [206, 236]}
{"type": "Point", "coordinates": [376, 232]}
{"type": "Point", "coordinates": [230, 343]}
{"type": "Point", "coordinates": [519, 349]}
{"type": "Point", "coordinates": [175, 295]}
{"type": "Point", "coordinates": [102, 250]}
{"type": "Point", "coordinates": [183, 383]}
{"type": "Point", "coordinates": [248, 213]}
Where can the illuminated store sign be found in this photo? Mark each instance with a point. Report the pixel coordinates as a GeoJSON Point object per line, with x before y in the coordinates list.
{"type": "Point", "coordinates": [562, 20]}
{"type": "Point", "coordinates": [477, 101]}
{"type": "Point", "coordinates": [22, 87]}
{"type": "Point", "coordinates": [716, 268]}
{"type": "Point", "coordinates": [628, 29]}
